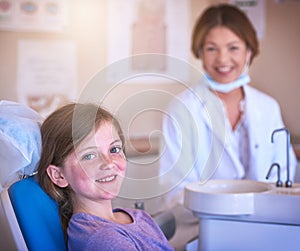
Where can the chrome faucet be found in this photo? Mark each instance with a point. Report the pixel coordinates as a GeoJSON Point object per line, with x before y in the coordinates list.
{"type": "Point", "coordinates": [278, 182]}
{"type": "Point", "coordinates": [288, 182]}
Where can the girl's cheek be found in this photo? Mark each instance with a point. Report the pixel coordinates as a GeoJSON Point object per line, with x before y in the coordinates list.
{"type": "Point", "coordinates": [123, 165]}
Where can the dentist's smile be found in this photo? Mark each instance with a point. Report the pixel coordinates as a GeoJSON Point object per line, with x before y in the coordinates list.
{"type": "Point", "coordinates": [223, 69]}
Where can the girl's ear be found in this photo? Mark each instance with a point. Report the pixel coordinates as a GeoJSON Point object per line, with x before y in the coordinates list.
{"type": "Point", "coordinates": [56, 175]}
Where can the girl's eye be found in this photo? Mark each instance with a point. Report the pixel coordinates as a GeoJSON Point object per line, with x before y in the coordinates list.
{"type": "Point", "coordinates": [89, 156]}
{"type": "Point", "coordinates": [115, 149]}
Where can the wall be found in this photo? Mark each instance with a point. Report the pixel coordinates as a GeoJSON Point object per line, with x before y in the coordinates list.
{"type": "Point", "coordinates": [275, 71]}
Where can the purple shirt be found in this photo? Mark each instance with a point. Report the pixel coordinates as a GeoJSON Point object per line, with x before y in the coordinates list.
{"type": "Point", "coordinates": [90, 232]}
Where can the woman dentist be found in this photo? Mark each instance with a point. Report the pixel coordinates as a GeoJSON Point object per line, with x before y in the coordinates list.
{"type": "Point", "coordinates": [221, 128]}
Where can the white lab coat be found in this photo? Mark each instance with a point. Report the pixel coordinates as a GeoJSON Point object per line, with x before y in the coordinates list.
{"type": "Point", "coordinates": [196, 146]}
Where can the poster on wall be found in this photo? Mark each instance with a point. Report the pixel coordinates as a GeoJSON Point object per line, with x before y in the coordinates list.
{"type": "Point", "coordinates": [47, 74]}
{"type": "Point", "coordinates": [255, 10]}
{"type": "Point", "coordinates": [143, 27]}
{"type": "Point", "coordinates": [33, 15]}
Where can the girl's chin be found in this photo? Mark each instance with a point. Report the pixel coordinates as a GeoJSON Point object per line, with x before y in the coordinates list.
{"type": "Point", "coordinates": [109, 196]}
{"type": "Point", "coordinates": [109, 192]}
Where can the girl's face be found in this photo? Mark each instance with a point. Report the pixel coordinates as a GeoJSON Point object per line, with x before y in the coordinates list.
{"type": "Point", "coordinates": [95, 170]}
{"type": "Point", "coordinates": [224, 55]}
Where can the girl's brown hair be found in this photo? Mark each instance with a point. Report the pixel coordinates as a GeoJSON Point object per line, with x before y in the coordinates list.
{"type": "Point", "coordinates": [61, 133]}
{"type": "Point", "coordinates": [230, 17]}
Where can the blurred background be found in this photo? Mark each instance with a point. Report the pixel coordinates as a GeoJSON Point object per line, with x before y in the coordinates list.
{"type": "Point", "coordinates": [48, 58]}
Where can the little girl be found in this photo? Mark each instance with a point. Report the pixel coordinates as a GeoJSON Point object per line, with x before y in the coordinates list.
{"type": "Point", "coordinates": [82, 167]}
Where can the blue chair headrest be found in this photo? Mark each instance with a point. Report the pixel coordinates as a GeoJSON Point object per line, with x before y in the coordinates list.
{"type": "Point", "coordinates": [37, 215]}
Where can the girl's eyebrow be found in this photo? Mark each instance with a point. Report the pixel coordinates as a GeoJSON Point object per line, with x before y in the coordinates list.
{"type": "Point", "coordinates": [95, 147]}
{"type": "Point", "coordinates": [116, 141]}
{"type": "Point", "coordinates": [85, 149]}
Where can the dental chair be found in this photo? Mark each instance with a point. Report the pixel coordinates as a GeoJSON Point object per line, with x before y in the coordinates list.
{"type": "Point", "coordinates": [20, 146]}
{"type": "Point", "coordinates": [28, 216]}
{"type": "Point", "coordinates": [32, 216]}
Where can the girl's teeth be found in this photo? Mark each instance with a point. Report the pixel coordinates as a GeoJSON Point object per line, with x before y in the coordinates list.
{"type": "Point", "coordinates": [108, 179]}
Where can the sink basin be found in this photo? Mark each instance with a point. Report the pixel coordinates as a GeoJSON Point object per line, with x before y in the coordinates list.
{"type": "Point", "coordinates": [232, 186]}
{"type": "Point", "coordinates": [224, 197]}
{"type": "Point", "coordinates": [228, 209]}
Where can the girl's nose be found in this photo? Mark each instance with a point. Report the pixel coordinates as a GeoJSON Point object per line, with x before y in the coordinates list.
{"type": "Point", "coordinates": [107, 162]}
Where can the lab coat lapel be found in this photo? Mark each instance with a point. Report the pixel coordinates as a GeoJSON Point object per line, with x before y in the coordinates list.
{"type": "Point", "coordinates": [220, 132]}
{"type": "Point", "coordinates": [255, 116]}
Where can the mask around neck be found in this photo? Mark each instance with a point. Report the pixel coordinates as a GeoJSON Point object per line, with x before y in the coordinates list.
{"type": "Point", "coordinates": [244, 79]}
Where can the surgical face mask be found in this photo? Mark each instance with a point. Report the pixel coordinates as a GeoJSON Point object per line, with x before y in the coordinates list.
{"type": "Point", "coordinates": [225, 88]}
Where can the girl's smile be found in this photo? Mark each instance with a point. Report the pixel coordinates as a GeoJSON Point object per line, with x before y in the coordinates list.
{"type": "Point", "coordinates": [107, 179]}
